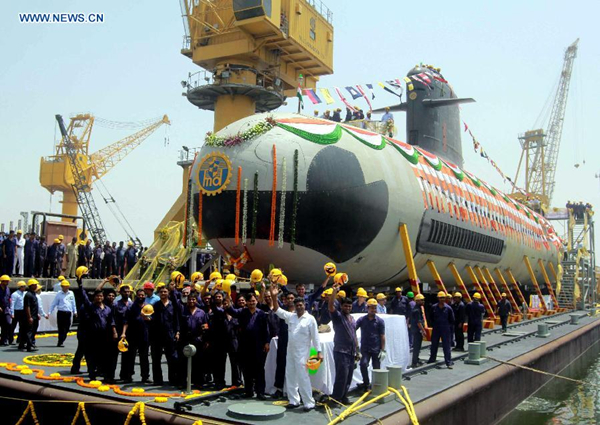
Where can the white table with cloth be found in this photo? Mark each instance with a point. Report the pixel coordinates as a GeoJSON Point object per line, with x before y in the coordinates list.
{"type": "Point", "coordinates": [49, 324]}
{"type": "Point", "coordinates": [396, 346]}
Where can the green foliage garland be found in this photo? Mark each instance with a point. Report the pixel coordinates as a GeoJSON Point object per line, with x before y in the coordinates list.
{"type": "Point", "coordinates": [229, 141]}
{"type": "Point", "coordinates": [321, 139]}
{"type": "Point", "coordinates": [295, 202]}
{"type": "Point", "coordinates": [378, 147]}
{"type": "Point", "coordinates": [254, 208]}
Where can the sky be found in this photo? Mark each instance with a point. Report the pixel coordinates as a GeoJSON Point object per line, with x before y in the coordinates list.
{"type": "Point", "coordinates": [506, 55]}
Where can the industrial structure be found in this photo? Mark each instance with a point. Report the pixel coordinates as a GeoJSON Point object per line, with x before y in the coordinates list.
{"type": "Point", "coordinates": [540, 147]}
{"type": "Point", "coordinates": [72, 170]}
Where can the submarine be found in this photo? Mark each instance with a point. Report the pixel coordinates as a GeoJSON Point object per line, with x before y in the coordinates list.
{"type": "Point", "coordinates": [296, 192]}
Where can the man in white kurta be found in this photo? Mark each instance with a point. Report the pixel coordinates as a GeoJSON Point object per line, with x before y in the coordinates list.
{"type": "Point", "coordinates": [302, 335]}
{"type": "Point", "coordinates": [20, 254]}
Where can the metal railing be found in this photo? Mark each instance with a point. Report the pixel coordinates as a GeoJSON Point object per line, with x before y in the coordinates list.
{"type": "Point", "coordinates": [322, 9]}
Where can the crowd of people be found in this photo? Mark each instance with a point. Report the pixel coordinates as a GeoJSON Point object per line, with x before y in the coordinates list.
{"type": "Point", "coordinates": [32, 255]}
{"type": "Point", "coordinates": [579, 209]}
{"type": "Point", "coordinates": [357, 115]}
{"type": "Point", "coordinates": [223, 322]}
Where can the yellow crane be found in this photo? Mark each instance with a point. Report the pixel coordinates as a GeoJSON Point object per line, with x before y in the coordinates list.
{"type": "Point", "coordinates": [59, 172]}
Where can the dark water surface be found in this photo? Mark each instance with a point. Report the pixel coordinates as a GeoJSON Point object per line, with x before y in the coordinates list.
{"type": "Point", "coordinates": [564, 402]}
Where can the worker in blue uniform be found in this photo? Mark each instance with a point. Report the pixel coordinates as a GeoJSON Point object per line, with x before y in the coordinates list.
{"type": "Point", "coordinates": [5, 319]}
{"type": "Point", "coordinates": [164, 334]}
{"type": "Point", "coordinates": [345, 345]}
{"type": "Point", "coordinates": [282, 344]}
{"type": "Point", "coordinates": [442, 321]}
{"type": "Point", "coordinates": [253, 343]}
{"type": "Point", "coordinates": [31, 246]}
{"type": "Point", "coordinates": [194, 328]}
{"type": "Point", "coordinates": [475, 311]}
{"type": "Point", "coordinates": [81, 273]}
{"type": "Point", "coordinates": [460, 317]}
{"type": "Point", "coordinates": [217, 337]}
{"type": "Point", "coordinates": [417, 328]}
{"type": "Point", "coordinates": [100, 334]}
{"type": "Point", "coordinates": [372, 340]}
{"type": "Point", "coordinates": [136, 332]}
{"type": "Point", "coordinates": [504, 309]}
{"type": "Point", "coordinates": [399, 303]}
{"type": "Point", "coordinates": [30, 319]}
{"type": "Point", "coordinates": [9, 246]}
{"type": "Point", "coordinates": [360, 304]}
{"type": "Point", "coordinates": [411, 305]}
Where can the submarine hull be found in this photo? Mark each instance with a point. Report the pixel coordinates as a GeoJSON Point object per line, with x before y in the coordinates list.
{"type": "Point", "coordinates": [341, 194]}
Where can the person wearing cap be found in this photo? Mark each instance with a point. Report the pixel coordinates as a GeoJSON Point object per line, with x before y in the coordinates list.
{"type": "Point", "coordinates": [30, 318]}
{"type": "Point", "coordinates": [360, 305]}
{"type": "Point", "coordinates": [151, 297]}
{"type": "Point", "coordinates": [399, 303]}
{"type": "Point", "coordinates": [64, 302]}
{"type": "Point", "coordinates": [303, 334]}
{"type": "Point", "coordinates": [164, 335]}
{"type": "Point", "coordinates": [5, 319]}
{"type": "Point", "coordinates": [503, 309]}
{"type": "Point", "coordinates": [372, 340]}
{"type": "Point", "coordinates": [381, 300]}
{"type": "Point", "coordinates": [442, 321]}
{"type": "Point", "coordinates": [475, 311]}
{"type": "Point", "coordinates": [336, 115]}
{"type": "Point", "coordinates": [71, 258]}
{"type": "Point", "coordinates": [56, 287]}
{"type": "Point", "coordinates": [316, 113]}
{"type": "Point", "coordinates": [61, 250]}
{"type": "Point", "coordinates": [120, 259]}
{"type": "Point", "coordinates": [218, 338]}
{"type": "Point", "coordinates": [417, 329]}
{"type": "Point", "coordinates": [19, 258]}
{"type": "Point", "coordinates": [136, 331]}
{"type": "Point", "coordinates": [41, 253]}
{"type": "Point", "coordinates": [387, 116]}
{"type": "Point", "coordinates": [130, 257]}
{"type": "Point", "coordinates": [16, 308]}
{"type": "Point", "coordinates": [282, 343]}
{"type": "Point", "coordinates": [8, 253]}
{"type": "Point", "coordinates": [324, 316]}
{"type": "Point", "coordinates": [31, 246]}
{"type": "Point", "coordinates": [194, 331]}
{"type": "Point", "coordinates": [51, 267]}
{"type": "Point", "coordinates": [460, 317]}
{"type": "Point", "coordinates": [345, 345]}
{"type": "Point", "coordinates": [253, 343]}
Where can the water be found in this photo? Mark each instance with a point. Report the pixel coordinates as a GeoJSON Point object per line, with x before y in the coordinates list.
{"type": "Point", "coordinates": [564, 402]}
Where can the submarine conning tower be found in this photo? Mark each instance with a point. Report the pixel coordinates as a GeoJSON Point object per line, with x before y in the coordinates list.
{"type": "Point", "coordinates": [433, 115]}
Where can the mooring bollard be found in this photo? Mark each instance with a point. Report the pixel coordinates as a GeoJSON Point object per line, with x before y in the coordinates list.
{"type": "Point", "coordinates": [475, 350]}
{"type": "Point", "coordinates": [395, 376]}
{"type": "Point", "coordinates": [542, 331]}
{"type": "Point", "coordinates": [574, 319]}
{"type": "Point", "coordinates": [482, 348]}
{"type": "Point", "coordinates": [380, 382]}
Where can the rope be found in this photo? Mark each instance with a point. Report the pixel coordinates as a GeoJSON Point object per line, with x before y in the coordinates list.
{"type": "Point", "coordinates": [576, 381]}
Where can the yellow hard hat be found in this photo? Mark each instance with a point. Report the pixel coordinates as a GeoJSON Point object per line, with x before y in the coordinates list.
{"type": "Point", "coordinates": [398, 289]}
{"type": "Point", "coordinates": [381, 296]}
{"type": "Point", "coordinates": [316, 111]}
{"type": "Point", "coordinates": [361, 293]}
{"type": "Point", "coordinates": [458, 295]}
{"type": "Point", "coordinates": [148, 310]}
{"type": "Point", "coordinates": [257, 293]}
{"type": "Point", "coordinates": [175, 276]}
{"type": "Point", "coordinates": [275, 273]}
{"type": "Point", "coordinates": [226, 286]}
{"type": "Point", "coordinates": [419, 297]}
{"type": "Point", "coordinates": [372, 301]}
{"type": "Point", "coordinates": [328, 291]}
{"type": "Point", "coordinates": [57, 240]}
{"type": "Point", "coordinates": [125, 285]}
{"type": "Point", "coordinates": [32, 282]}
{"type": "Point", "coordinates": [283, 280]}
{"type": "Point", "coordinates": [231, 277]}
{"type": "Point", "coordinates": [61, 278]}
{"type": "Point", "coordinates": [61, 237]}
{"type": "Point", "coordinates": [123, 345]}
{"type": "Point", "coordinates": [19, 232]}
{"type": "Point", "coordinates": [215, 276]}
{"type": "Point", "coordinates": [4, 278]}
{"type": "Point", "coordinates": [160, 285]}
{"type": "Point", "coordinates": [81, 271]}
{"type": "Point", "coordinates": [477, 295]}
{"type": "Point", "coordinates": [340, 278]}
{"type": "Point", "coordinates": [342, 294]}
{"type": "Point", "coordinates": [330, 269]}
{"type": "Point", "coordinates": [21, 283]}
{"type": "Point", "coordinates": [196, 276]}
{"type": "Point", "coordinates": [129, 243]}
{"type": "Point", "coordinates": [65, 283]}
{"type": "Point", "coordinates": [256, 276]}
{"type": "Point", "coordinates": [503, 294]}
{"type": "Point", "coordinates": [441, 294]}
{"type": "Point", "coordinates": [198, 287]}
{"type": "Point", "coordinates": [219, 283]}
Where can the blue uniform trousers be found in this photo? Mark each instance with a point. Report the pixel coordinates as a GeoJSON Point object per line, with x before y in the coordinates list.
{"type": "Point", "coordinates": [281, 362]}
{"type": "Point", "coordinates": [5, 327]}
{"type": "Point", "coordinates": [136, 345]}
{"type": "Point", "coordinates": [63, 320]}
{"type": "Point", "coordinates": [344, 369]}
{"type": "Point", "coordinates": [417, 339]}
{"type": "Point", "coordinates": [445, 333]}
{"type": "Point", "coordinates": [168, 347]}
{"type": "Point", "coordinates": [253, 369]}
{"type": "Point", "coordinates": [364, 364]}
{"type": "Point", "coordinates": [474, 332]}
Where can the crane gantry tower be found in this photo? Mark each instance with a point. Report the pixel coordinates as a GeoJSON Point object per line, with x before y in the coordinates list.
{"type": "Point", "coordinates": [540, 149]}
{"type": "Point", "coordinates": [72, 169]}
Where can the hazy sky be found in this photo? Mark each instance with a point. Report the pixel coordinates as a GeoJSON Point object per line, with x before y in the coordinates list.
{"type": "Point", "coordinates": [506, 55]}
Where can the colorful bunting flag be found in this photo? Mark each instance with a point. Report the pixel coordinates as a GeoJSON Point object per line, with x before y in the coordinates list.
{"type": "Point", "coordinates": [343, 99]}
{"type": "Point", "coordinates": [353, 92]}
{"type": "Point", "coordinates": [383, 86]}
{"type": "Point", "coordinates": [362, 92]}
{"type": "Point", "coordinates": [310, 93]}
{"type": "Point", "coordinates": [370, 87]}
{"type": "Point", "coordinates": [327, 96]}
